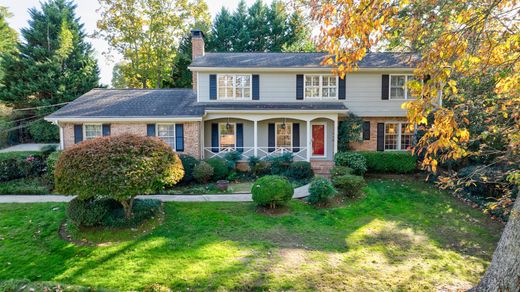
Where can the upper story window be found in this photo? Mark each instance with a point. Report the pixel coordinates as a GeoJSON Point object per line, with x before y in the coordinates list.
{"type": "Point", "coordinates": [398, 136]}
{"type": "Point", "coordinates": [234, 86]}
{"type": "Point", "coordinates": [321, 86]}
{"type": "Point", "coordinates": [167, 133]}
{"type": "Point", "coordinates": [398, 86]}
{"type": "Point", "coordinates": [92, 131]}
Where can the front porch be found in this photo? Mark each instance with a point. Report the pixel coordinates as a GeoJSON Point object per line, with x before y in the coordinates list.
{"type": "Point", "coordinates": [307, 136]}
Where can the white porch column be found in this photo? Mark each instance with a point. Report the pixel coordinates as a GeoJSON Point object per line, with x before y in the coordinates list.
{"type": "Point", "coordinates": [309, 140]}
{"type": "Point", "coordinates": [255, 138]}
{"type": "Point", "coordinates": [336, 137]}
{"type": "Point", "coordinates": [62, 142]}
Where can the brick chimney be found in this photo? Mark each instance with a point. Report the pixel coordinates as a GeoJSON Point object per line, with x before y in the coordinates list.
{"type": "Point", "coordinates": [197, 50]}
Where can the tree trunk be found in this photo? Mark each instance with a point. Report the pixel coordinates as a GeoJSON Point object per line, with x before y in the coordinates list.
{"type": "Point", "coordinates": [503, 274]}
{"type": "Point", "coordinates": [127, 206]}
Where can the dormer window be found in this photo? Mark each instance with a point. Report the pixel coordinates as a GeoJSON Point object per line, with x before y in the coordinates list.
{"type": "Point", "coordinates": [321, 86]}
{"type": "Point", "coordinates": [234, 86]}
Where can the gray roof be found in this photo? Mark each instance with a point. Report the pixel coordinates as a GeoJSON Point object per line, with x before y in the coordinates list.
{"type": "Point", "coordinates": [288, 106]}
{"type": "Point", "coordinates": [107, 103]}
{"type": "Point", "coordinates": [298, 60]}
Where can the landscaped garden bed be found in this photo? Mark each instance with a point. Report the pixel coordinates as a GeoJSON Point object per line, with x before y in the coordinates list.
{"type": "Point", "coordinates": [399, 235]}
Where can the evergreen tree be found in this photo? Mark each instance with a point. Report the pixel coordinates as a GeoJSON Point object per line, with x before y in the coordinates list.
{"type": "Point", "coordinates": [259, 28]}
{"type": "Point", "coordinates": [240, 29]}
{"type": "Point", "coordinates": [220, 39]}
{"type": "Point", "coordinates": [9, 37]}
{"type": "Point", "coordinates": [53, 65]}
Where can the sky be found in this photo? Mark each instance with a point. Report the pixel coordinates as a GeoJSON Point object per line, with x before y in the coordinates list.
{"type": "Point", "coordinates": [86, 11]}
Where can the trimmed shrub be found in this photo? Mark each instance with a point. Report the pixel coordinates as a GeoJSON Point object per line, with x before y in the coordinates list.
{"type": "Point", "coordinates": [340, 170]}
{"type": "Point", "coordinates": [280, 164]}
{"type": "Point", "coordinates": [15, 165]}
{"type": "Point", "coordinates": [272, 191]}
{"type": "Point", "coordinates": [88, 212]}
{"type": "Point", "coordinates": [300, 170]}
{"type": "Point", "coordinates": [50, 166]}
{"type": "Point", "coordinates": [321, 191]}
{"type": "Point", "coordinates": [232, 158]}
{"type": "Point", "coordinates": [142, 209]}
{"type": "Point", "coordinates": [349, 185]}
{"type": "Point", "coordinates": [261, 168]}
{"type": "Point", "coordinates": [220, 168]}
{"type": "Point", "coordinates": [390, 162]}
{"type": "Point", "coordinates": [117, 167]}
{"type": "Point", "coordinates": [203, 172]}
{"type": "Point", "coordinates": [354, 160]}
{"type": "Point", "coordinates": [188, 163]}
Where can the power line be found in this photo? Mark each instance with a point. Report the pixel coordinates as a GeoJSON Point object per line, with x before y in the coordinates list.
{"type": "Point", "coordinates": [37, 107]}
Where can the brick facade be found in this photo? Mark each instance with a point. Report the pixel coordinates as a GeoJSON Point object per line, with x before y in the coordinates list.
{"type": "Point", "coordinates": [371, 145]}
{"type": "Point", "coordinates": [191, 134]}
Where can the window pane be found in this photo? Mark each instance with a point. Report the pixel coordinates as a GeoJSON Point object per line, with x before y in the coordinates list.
{"type": "Point", "coordinates": [397, 93]}
{"type": "Point", "coordinates": [167, 133]}
{"type": "Point", "coordinates": [93, 131]}
{"type": "Point", "coordinates": [391, 136]}
{"type": "Point", "coordinates": [406, 137]}
{"type": "Point", "coordinates": [227, 136]}
{"type": "Point", "coordinates": [397, 80]}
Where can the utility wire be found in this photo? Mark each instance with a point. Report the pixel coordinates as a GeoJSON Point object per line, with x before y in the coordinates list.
{"type": "Point", "coordinates": [37, 107]}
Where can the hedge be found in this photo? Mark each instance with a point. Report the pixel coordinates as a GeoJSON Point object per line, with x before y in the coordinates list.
{"type": "Point", "coordinates": [15, 165]}
{"type": "Point", "coordinates": [399, 162]}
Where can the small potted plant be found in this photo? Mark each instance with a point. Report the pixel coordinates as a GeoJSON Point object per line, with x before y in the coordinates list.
{"type": "Point", "coordinates": [222, 184]}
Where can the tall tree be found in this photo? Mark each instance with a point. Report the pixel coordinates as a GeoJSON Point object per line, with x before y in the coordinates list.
{"type": "Point", "coordinates": [468, 104]}
{"type": "Point", "coordinates": [53, 64]}
{"type": "Point", "coordinates": [146, 33]}
{"type": "Point", "coordinates": [221, 36]}
{"type": "Point", "coordinates": [9, 36]}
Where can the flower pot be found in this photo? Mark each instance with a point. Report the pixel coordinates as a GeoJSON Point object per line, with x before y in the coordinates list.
{"type": "Point", "coordinates": [223, 185]}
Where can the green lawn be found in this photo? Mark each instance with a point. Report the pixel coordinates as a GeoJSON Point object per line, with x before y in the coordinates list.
{"type": "Point", "coordinates": [403, 235]}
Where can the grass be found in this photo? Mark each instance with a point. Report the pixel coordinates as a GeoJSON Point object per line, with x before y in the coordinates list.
{"type": "Point", "coordinates": [403, 235]}
{"type": "Point", "coordinates": [25, 186]}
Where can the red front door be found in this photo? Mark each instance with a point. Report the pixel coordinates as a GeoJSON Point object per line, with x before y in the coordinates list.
{"type": "Point", "coordinates": [318, 140]}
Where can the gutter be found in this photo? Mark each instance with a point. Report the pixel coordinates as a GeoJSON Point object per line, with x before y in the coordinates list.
{"type": "Point", "coordinates": [120, 119]}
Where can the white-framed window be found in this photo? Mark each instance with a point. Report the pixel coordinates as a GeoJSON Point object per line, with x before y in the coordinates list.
{"type": "Point", "coordinates": [283, 137]}
{"type": "Point", "coordinates": [397, 136]}
{"type": "Point", "coordinates": [166, 132]}
{"type": "Point", "coordinates": [227, 136]}
{"type": "Point", "coordinates": [320, 86]}
{"type": "Point", "coordinates": [91, 131]}
{"type": "Point", "coordinates": [398, 86]}
{"type": "Point", "coordinates": [234, 86]}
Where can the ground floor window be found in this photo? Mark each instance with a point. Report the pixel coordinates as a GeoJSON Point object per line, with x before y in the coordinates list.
{"type": "Point", "coordinates": [92, 131]}
{"type": "Point", "coordinates": [227, 136]}
{"type": "Point", "coordinates": [167, 133]}
{"type": "Point", "coordinates": [398, 136]}
{"type": "Point", "coordinates": [283, 136]}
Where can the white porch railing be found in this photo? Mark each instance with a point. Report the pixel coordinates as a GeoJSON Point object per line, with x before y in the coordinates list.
{"type": "Point", "coordinates": [299, 153]}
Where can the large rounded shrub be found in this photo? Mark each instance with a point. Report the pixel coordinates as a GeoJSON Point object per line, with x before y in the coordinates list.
{"type": "Point", "coordinates": [321, 191]}
{"type": "Point", "coordinates": [349, 185]}
{"type": "Point", "coordinates": [188, 163]}
{"type": "Point", "coordinates": [300, 170]}
{"type": "Point", "coordinates": [118, 167]}
{"type": "Point", "coordinates": [203, 172]}
{"type": "Point", "coordinates": [354, 160]}
{"type": "Point", "coordinates": [220, 168]}
{"type": "Point", "coordinates": [272, 191]}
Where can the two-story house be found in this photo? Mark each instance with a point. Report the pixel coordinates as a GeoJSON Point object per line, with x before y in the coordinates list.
{"type": "Point", "coordinates": [260, 104]}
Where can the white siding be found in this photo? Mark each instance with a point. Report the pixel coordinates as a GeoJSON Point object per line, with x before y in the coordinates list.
{"type": "Point", "coordinates": [363, 92]}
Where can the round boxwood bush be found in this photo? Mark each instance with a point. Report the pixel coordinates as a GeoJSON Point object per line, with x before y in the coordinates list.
{"type": "Point", "coordinates": [203, 172]}
{"type": "Point", "coordinates": [272, 191]}
{"type": "Point", "coordinates": [300, 170]}
{"type": "Point", "coordinates": [188, 163]}
{"type": "Point", "coordinates": [354, 160]}
{"type": "Point", "coordinates": [340, 170]}
{"type": "Point", "coordinates": [88, 212]}
{"type": "Point", "coordinates": [220, 168]}
{"type": "Point", "coordinates": [349, 185]}
{"type": "Point", "coordinates": [117, 167]}
{"type": "Point", "coordinates": [321, 191]}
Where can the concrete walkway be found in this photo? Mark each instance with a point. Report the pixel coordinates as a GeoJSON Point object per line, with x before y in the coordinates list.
{"type": "Point", "coordinates": [299, 193]}
{"type": "Point", "coordinates": [26, 147]}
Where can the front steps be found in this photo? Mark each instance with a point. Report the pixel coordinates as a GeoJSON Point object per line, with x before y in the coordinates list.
{"type": "Point", "coordinates": [322, 167]}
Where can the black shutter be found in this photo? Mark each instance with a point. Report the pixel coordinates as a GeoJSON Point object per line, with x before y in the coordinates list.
{"type": "Point", "coordinates": [78, 133]}
{"type": "Point", "coordinates": [256, 87]}
{"type": "Point", "coordinates": [213, 87]}
{"type": "Point", "coordinates": [214, 137]}
{"type": "Point", "coordinates": [106, 129]}
{"type": "Point", "coordinates": [384, 86]}
{"type": "Point", "coordinates": [270, 137]}
{"type": "Point", "coordinates": [299, 86]}
{"type": "Point", "coordinates": [240, 137]}
{"type": "Point", "coordinates": [179, 137]}
{"type": "Point", "coordinates": [380, 137]}
{"type": "Point", "coordinates": [296, 137]}
{"type": "Point", "coordinates": [342, 90]}
{"type": "Point", "coordinates": [150, 130]}
{"type": "Point", "coordinates": [366, 130]}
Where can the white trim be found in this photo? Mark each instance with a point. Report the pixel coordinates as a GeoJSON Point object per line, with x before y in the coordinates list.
{"type": "Point", "coordinates": [335, 135]}
{"type": "Point", "coordinates": [285, 112]}
{"type": "Point", "coordinates": [174, 147]}
{"type": "Point", "coordinates": [405, 86]}
{"type": "Point", "coordinates": [62, 142]}
{"type": "Point", "coordinates": [235, 134]}
{"type": "Point", "coordinates": [123, 119]}
{"type": "Point", "coordinates": [235, 87]}
{"type": "Point", "coordinates": [276, 134]}
{"type": "Point", "coordinates": [295, 69]}
{"type": "Point", "coordinates": [320, 88]}
{"type": "Point", "coordinates": [91, 124]}
{"type": "Point", "coordinates": [198, 86]}
{"type": "Point", "coordinates": [324, 140]}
